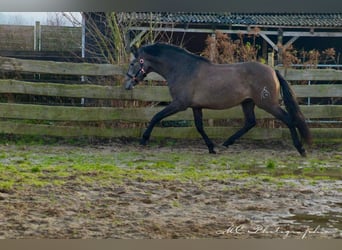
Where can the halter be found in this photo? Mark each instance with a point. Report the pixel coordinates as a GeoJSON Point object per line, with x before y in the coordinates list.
{"type": "Point", "coordinates": [141, 70]}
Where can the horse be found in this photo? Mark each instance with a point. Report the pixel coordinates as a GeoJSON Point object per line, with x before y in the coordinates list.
{"type": "Point", "coordinates": [196, 82]}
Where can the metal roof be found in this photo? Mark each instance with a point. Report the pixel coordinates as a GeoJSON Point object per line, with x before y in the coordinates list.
{"type": "Point", "coordinates": [332, 20]}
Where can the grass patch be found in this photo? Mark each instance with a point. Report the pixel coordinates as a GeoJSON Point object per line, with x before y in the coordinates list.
{"type": "Point", "coordinates": [271, 164]}
{"type": "Point", "coordinates": [39, 163]}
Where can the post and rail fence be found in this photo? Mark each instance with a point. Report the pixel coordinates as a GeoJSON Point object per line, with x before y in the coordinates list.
{"type": "Point", "coordinates": [78, 121]}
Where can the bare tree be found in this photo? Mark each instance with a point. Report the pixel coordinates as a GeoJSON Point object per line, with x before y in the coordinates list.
{"type": "Point", "coordinates": [55, 19]}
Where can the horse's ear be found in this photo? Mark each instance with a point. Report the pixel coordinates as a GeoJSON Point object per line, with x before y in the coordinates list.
{"type": "Point", "coordinates": [134, 50]}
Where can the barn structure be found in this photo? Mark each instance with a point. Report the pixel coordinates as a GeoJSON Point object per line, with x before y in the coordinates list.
{"type": "Point", "coordinates": [273, 31]}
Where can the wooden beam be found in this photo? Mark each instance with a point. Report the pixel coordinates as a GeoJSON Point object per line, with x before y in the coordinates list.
{"type": "Point", "coordinates": [311, 74]}
{"type": "Point", "coordinates": [61, 113]}
{"type": "Point", "coordinates": [289, 42]}
{"type": "Point", "coordinates": [77, 130]}
{"type": "Point", "coordinates": [312, 34]}
{"type": "Point", "coordinates": [62, 68]}
{"type": "Point", "coordinates": [242, 31]}
{"type": "Point", "coordinates": [192, 30]}
{"type": "Point", "coordinates": [269, 41]}
{"type": "Point", "coordinates": [142, 93]}
{"type": "Point", "coordinates": [318, 90]}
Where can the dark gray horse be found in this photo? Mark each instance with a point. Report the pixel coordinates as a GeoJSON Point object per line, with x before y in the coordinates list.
{"type": "Point", "coordinates": [197, 83]}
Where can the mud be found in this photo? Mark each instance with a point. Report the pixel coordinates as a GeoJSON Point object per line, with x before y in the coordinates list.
{"type": "Point", "coordinates": [135, 209]}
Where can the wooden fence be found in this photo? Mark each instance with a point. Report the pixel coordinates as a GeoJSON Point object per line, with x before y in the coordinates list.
{"type": "Point", "coordinates": [40, 38]}
{"type": "Point", "coordinates": [71, 121]}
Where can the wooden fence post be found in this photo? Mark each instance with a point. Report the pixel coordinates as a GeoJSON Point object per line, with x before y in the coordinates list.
{"type": "Point", "coordinates": [280, 47]}
{"type": "Point", "coordinates": [212, 53]}
{"type": "Point", "coordinates": [37, 43]}
{"type": "Point", "coordinates": [270, 59]}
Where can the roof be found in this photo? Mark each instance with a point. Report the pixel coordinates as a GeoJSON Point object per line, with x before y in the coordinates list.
{"type": "Point", "coordinates": [256, 19]}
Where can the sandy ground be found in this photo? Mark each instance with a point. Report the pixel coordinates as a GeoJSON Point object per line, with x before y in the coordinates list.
{"type": "Point", "coordinates": [138, 209]}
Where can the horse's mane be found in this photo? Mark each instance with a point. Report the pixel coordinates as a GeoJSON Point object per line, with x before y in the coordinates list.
{"type": "Point", "coordinates": [158, 49]}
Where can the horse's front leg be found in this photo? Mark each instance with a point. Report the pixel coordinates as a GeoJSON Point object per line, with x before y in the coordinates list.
{"type": "Point", "coordinates": [198, 116]}
{"type": "Point", "coordinates": [171, 109]}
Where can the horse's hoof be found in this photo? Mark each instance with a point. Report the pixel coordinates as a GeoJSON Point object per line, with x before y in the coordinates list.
{"type": "Point", "coordinates": [212, 151]}
{"type": "Point", "coordinates": [143, 142]}
{"type": "Point", "coordinates": [303, 153]}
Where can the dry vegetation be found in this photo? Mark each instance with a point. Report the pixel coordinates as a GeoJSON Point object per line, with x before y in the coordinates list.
{"type": "Point", "coordinates": [309, 59]}
{"type": "Point", "coordinates": [222, 48]}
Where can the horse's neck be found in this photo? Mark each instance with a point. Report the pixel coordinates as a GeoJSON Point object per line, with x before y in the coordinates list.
{"type": "Point", "coordinates": [170, 67]}
{"type": "Point", "coordinates": [165, 69]}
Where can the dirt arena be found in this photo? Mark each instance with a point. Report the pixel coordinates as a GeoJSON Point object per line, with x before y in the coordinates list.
{"type": "Point", "coordinates": [250, 190]}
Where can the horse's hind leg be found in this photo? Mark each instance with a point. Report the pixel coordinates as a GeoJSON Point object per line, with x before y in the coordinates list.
{"type": "Point", "coordinates": [282, 115]}
{"type": "Point", "coordinates": [250, 122]}
{"type": "Point", "coordinates": [199, 125]}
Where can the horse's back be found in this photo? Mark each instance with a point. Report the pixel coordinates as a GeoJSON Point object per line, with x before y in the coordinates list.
{"type": "Point", "coordinates": [220, 86]}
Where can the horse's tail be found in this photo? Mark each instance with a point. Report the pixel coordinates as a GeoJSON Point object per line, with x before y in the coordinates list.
{"type": "Point", "coordinates": [293, 109]}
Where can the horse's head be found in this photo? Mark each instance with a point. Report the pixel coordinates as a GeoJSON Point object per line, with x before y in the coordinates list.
{"type": "Point", "coordinates": [138, 69]}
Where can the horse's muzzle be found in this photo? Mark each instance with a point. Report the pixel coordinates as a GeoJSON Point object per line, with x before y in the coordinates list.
{"type": "Point", "coordinates": [129, 84]}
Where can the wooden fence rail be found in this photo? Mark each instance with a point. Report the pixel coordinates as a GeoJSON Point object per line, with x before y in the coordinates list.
{"type": "Point", "coordinates": [90, 69]}
{"type": "Point", "coordinates": [143, 93]}
{"type": "Point", "coordinates": [19, 118]}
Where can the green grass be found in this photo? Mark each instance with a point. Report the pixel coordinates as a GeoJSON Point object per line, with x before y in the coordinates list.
{"type": "Point", "coordinates": [271, 164]}
{"type": "Point", "coordinates": [41, 163]}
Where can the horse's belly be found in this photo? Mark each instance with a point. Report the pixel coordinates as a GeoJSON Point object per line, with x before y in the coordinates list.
{"type": "Point", "coordinates": [216, 100]}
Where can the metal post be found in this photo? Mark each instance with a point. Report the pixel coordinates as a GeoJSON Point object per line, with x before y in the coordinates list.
{"type": "Point", "coordinates": [309, 98]}
{"type": "Point", "coordinates": [37, 43]}
{"type": "Point", "coordinates": [83, 48]}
